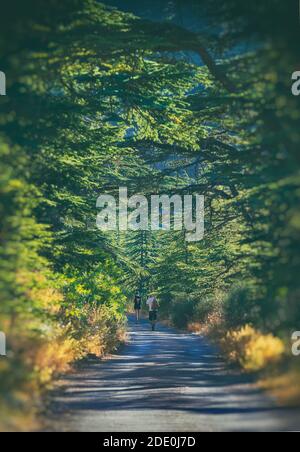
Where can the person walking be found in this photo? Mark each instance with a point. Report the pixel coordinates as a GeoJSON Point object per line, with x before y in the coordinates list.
{"type": "Point", "coordinates": [153, 306]}
{"type": "Point", "coordinates": [137, 305]}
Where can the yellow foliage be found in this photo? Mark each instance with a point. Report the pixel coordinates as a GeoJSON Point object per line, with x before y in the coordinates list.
{"type": "Point", "coordinates": [252, 349]}
{"type": "Point", "coordinates": [285, 387]}
{"type": "Point", "coordinates": [54, 358]}
{"type": "Point", "coordinates": [81, 290]}
{"type": "Point", "coordinates": [46, 353]}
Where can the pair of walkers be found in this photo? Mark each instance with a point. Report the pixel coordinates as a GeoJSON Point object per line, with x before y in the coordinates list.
{"type": "Point", "coordinates": [152, 305]}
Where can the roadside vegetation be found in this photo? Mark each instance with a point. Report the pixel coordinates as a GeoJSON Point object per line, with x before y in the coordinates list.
{"type": "Point", "coordinates": [99, 99]}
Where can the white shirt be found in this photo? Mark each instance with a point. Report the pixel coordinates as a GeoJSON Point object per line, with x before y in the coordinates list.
{"type": "Point", "coordinates": [150, 302]}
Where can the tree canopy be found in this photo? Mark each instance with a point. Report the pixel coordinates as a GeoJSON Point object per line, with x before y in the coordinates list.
{"type": "Point", "coordinates": [97, 99]}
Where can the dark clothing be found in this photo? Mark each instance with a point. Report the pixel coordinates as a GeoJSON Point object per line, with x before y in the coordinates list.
{"type": "Point", "coordinates": [137, 303]}
{"type": "Point", "coordinates": [152, 316]}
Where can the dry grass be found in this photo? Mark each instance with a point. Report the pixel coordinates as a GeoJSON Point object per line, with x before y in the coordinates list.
{"type": "Point", "coordinates": [213, 326]}
{"type": "Point", "coordinates": [251, 349]}
{"type": "Point", "coordinates": [254, 351]}
{"type": "Point", "coordinates": [38, 359]}
{"type": "Point", "coordinates": [248, 347]}
{"type": "Point", "coordinates": [285, 387]}
{"type": "Point", "coordinates": [195, 327]}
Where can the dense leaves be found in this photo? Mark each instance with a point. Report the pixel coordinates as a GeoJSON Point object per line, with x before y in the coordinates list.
{"type": "Point", "coordinates": [100, 99]}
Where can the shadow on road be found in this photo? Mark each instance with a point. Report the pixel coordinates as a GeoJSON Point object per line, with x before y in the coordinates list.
{"type": "Point", "coordinates": [165, 381]}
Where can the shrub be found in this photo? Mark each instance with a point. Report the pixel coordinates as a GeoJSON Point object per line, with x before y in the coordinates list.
{"type": "Point", "coordinates": [182, 310]}
{"type": "Point", "coordinates": [60, 327]}
{"type": "Point", "coordinates": [284, 385]}
{"type": "Point", "coordinates": [252, 349]}
{"type": "Point", "coordinates": [204, 308]}
{"type": "Point", "coordinates": [240, 308]}
{"type": "Point", "coordinates": [209, 306]}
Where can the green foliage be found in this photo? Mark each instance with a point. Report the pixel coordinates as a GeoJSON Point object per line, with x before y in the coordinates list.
{"type": "Point", "coordinates": [181, 310]}
{"type": "Point", "coordinates": [99, 99]}
{"type": "Point", "coordinates": [240, 308]}
{"type": "Point", "coordinates": [208, 306]}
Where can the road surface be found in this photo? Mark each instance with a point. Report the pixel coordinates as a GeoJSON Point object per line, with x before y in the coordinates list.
{"type": "Point", "coordinates": [164, 381]}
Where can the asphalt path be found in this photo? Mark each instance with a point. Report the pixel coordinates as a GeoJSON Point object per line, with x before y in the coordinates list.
{"type": "Point", "coordinates": [164, 381]}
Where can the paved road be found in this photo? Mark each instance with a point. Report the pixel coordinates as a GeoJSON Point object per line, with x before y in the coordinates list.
{"type": "Point", "coordinates": [164, 382]}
